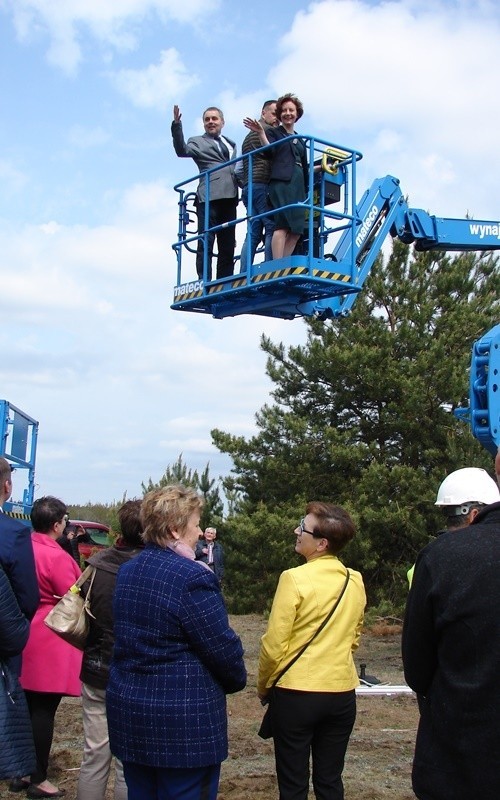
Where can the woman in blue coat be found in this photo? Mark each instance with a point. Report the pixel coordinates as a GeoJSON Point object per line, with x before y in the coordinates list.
{"type": "Point", "coordinates": [174, 661]}
{"type": "Point", "coordinates": [289, 173]}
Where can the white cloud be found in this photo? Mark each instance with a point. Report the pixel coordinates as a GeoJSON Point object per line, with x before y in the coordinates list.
{"type": "Point", "coordinates": [110, 22]}
{"type": "Point", "coordinates": [238, 106]}
{"type": "Point", "coordinates": [411, 84]}
{"type": "Point", "coordinates": [391, 62]}
{"type": "Point", "coordinates": [56, 275]}
{"type": "Point", "coordinates": [157, 85]}
{"type": "Point", "coordinates": [120, 380]}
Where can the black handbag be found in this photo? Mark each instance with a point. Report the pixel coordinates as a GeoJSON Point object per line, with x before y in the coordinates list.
{"type": "Point", "coordinates": [17, 753]}
{"type": "Point", "coordinates": [266, 727]}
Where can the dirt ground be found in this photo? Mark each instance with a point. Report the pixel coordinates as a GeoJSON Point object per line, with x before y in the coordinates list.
{"type": "Point", "coordinates": [379, 756]}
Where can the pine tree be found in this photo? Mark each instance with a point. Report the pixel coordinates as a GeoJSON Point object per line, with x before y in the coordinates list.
{"type": "Point", "coordinates": [179, 472]}
{"type": "Point", "coordinates": [362, 413]}
{"type": "Point", "coordinates": [213, 508]}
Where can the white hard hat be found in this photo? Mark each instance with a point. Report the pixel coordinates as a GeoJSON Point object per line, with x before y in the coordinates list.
{"type": "Point", "coordinates": [468, 485]}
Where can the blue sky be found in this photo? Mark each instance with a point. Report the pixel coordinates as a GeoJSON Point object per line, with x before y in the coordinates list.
{"type": "Point", "coordinates": [120, 383]}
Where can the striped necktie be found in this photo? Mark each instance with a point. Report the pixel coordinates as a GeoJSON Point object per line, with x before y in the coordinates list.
{"type": "Point", "coordinates": [223, 150]}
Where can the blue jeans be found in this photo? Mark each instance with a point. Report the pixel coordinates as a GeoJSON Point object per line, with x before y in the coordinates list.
{"type": "Point", "coordinates": [256, 227]}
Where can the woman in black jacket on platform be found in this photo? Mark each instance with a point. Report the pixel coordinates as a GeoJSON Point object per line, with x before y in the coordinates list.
{"type": "Point", "coordinates": [289, 173]}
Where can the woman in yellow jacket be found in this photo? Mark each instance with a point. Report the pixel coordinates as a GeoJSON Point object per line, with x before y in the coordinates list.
{"type": "Point", "coordinates": [313, 704]}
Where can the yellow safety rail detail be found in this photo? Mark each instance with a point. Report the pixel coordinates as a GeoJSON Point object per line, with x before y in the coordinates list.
{"type": "Point", "coordinates": [332, 158]}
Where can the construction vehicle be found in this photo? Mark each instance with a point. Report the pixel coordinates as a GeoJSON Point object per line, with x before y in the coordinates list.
{"type": "Point", "coordinates": [18, 441]}
{"type": "Point", "coordinates": [342, 238]}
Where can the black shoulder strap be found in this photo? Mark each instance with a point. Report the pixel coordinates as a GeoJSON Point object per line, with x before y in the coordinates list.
{"type": "Point", "coordinates": [325, 621]}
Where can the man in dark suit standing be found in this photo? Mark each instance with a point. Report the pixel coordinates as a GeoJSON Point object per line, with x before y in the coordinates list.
{"type": "Point", "coordinates": [259, 178]}
{"type": "Point", "coordinates": [211, 552]}
{"type": "Point", "coordinates": [209, 151]}
{"type": "Point", "coordinates": [451, 657]}
{"type": "Point", "coordinates": [16, 554]}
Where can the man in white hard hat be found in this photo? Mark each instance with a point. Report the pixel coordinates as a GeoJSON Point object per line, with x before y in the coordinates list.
{"type": "Point", "coordinates": [451, 647]}
{"type": "Point", "coordinates": [463, 493]}
{"type": "Point", "coordinates": [461, 496]}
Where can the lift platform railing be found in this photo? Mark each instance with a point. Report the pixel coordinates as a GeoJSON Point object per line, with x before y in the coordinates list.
{"type": "Point", "coordinates": [281, 287]}
{"type": "Point", "coordinates": [338, 165]}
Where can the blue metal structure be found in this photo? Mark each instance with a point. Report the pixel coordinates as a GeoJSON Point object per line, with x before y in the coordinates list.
{"type": "Point", "coordinates": [342, 238]}
{"type": "Point", "coordinates": [18, 441]}
{"type": "Point", "coordinates": [341, 242]}
{"type": "Point", "coordinates": [483, 413]}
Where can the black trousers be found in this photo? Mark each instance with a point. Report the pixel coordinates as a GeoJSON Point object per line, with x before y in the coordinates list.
{"type": "Point", "coordinates": [220, 211]}
{"type": "Point", "coordinates": [42, 707]}
{"type": "Point", "coordinates": [317, 723]}
{"type": "Point", "coordinates": [162, 783]}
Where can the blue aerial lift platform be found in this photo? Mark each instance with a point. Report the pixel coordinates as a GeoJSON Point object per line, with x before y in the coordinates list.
{"type": "Point", "coordinates": [342, 238]}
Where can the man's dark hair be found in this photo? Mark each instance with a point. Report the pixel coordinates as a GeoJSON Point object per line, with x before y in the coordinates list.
{"type": "Point", "coordinates": [267, 104]}
{"type": "Point", "coordinates": [460, 516]}
{"type": "Point", "coordinates": [129, 516]}
{"type": "Point", "coordinates": [46, 512]}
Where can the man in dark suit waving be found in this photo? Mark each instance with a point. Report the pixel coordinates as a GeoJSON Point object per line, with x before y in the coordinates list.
{"type": "Point", "coordinates": [16, 554]}
{"type": "Point", "coordinates": [209, 151]}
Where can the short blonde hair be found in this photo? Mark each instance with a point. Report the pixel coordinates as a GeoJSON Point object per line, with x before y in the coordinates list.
{"type": "Point", "coordinates": [166, 510]}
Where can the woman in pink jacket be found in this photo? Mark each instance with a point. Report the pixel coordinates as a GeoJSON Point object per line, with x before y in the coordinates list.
{"type": "Point", "coordinates": [51, 666]}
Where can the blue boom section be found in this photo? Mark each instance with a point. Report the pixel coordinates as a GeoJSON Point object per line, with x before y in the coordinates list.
{"type": "Point", "coordinates": [342, 238]}
{"type": "Point", "coordinates": [483, 413]}
{"type": "Point", "coordinates": [18, 441]}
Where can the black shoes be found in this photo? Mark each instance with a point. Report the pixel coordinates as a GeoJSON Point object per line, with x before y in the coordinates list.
{"type": "Point", "coordinates": [32, 791]}
{"type": "Point", "coordinates": [35, 792]}
{"type": "Point", "coordinates": [18, 785]}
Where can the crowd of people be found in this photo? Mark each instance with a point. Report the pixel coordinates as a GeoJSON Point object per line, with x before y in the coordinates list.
{"type": "Point", "coordinates": [272, 182]}
{"type": "Point", "coordinates": [160, 656]}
